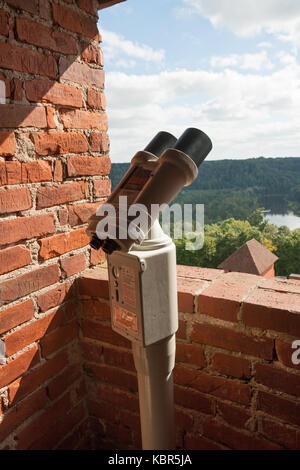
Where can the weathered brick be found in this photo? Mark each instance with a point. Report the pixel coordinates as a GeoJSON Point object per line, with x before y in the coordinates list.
{"type": "Point", "coordinates": [277, 378]}
{"type": "Point", "coordinates": [81, 119]}
{"type": "Point", "coordinates": [97, 257]}
{"type": "Point", "coordinates": [58, 171]}
{"type": "Point", "coordinates": [10, 173]}
{"type": "Point", "coordinates": [42, 36]}
{"type": "Point", "coordinates": [231, 365]}
{"type": "Point", "coordinates": [4, 23]}
{"type": "Point", "coordinates": [223, 298]}
{"type": "Point", "coordinates": [194, 442]}
{"type": "Point", "coordinates": [182, 329]}
{"type": "Point", "coordinates": [187, 289]}
{"type": "Point", "coordinates": [25, 228]}
{"type": "Point", "coordinates": [75, 21]}
{"type": "Point", "coordinates": [91, 351]}
{"type": "Point", "coordinates": [86, 166]}
{"type": "Point", "coordinates": [50, 143]}
{"type": "Point", "coordinates": [190, 354]}
{"type": "Point", "coordinates": [25, 60]}
{"type": "Point", "coordinates": [96, 310]}
{"type": "Point", "coordinates": [212, 385]}
{"type": "Point", "coordinates": [21, 115]}
{"type": "Point", "coordinates": [58, 338]}
{"type": "Point", "coordinates": [94, 283]}
{"type": "Point", "coordinates": [62, 243]}
{"type": "Point", "coordinates": [36, 171]}
{"type": "Point", "coordinates": [92, 54]}
{"type": "Point", "coordinates": [80, 213]}
{"type": "Point", "coordinates": [14, 200]}
{"type": "Point", "coordinates": [281, 285]}
{"type": "Point", "coordinates": [102, 188]}
{"type": "Point", "coordinates": [18, 366]}
{"type": "Point", "coordinates": [194, 272]}
{"type": "Point", "coordinates": [17, 415]}
{"type": "Point", "coordinates": [27, 5]}
{"type": "Point", "coordinates": [103, 333]}
{"type": "Point", "coordinates": [17, 89]}
{"type": "Point", "coordinates": [96, 99]}
{"type": "Point", "coordinates": [14, 258]}
{"type": "Point", "coordinates": [89, 6]}
{"type": "Point", "coordinates": [44, 91]}
{"type": "Point", "coordinates": [234, 415]}
{"type": "Point", "coordinates": [81, 73]}
{"type": "Point", "coordinates": [284, 353]}
{"type": "Point", "coordinates": [99, 142]}
{"type": "Point", "coordinates": [16, 315]}
{"type": "Point", "coordinates": [36, 377]}
{"type": "Point", "coordinates": [53, 297]}
{"type": "Point", "coordinates": [45, 11]}
{"type": "Point", "coordinates": [48, 196]}
{"type": "Point", "coordinates": [51, 116]}
{"type": "Point", "coordinates": [121, 398]}
{"type": "Point", "coordinates": [7, 144]}
{"type": "Point", "coordinates": [118, 358]}
{"type": "Point", "coordinates": [63, 381]}
{"type": "Point", "coordinates": [279, 407]}
{"type": "Point", "coordinates": [271, 310]}
{"type": "Point", "coordinates": [73, 265]}
{"type": "Point", "coordinates": [281, 433]}
{"type": "Point", "coordinates": [192, 399]}
{"type": "Point", "coordinates": [32, 281]}
{"type": "Point", "coordinates": [233, 340]}
{"type": "Point", "coordinates": [113, 375]}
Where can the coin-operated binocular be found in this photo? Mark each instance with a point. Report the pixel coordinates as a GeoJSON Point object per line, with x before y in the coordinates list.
{"type": "Point", "coordinates": [142, 269]}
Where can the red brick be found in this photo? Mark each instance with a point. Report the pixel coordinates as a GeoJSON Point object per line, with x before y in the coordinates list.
{"type": "Point", "coordinates": [223, 298]}
{"type": "Point", "coordinates": [48, 196]}
{"type": "Point", "coordinates": [64, 242]}
{"type": "Point", "coordinates": [96, 99]}
{"type": "Point", "coordinates": [102, 188]}
{"type": "Point", "coordinates": [273, 311]}
{"type": "Point", "coordinates": [118, 358]}
{"type": "Point", "coordinates": [4, 22]}
{"type": "Point", "coordinates": [92, 54]}
{"type": "Point", "coordinates": [36, 428]}
{"type": "Point", "coordinates": [23, 228]}
{"type": "Point", "coordinates": [14, 258]}
{"type": "Point", "coordinates": [36, 377]}
{"type": "Point", "coordinates": [42, 36]}
{"type": "Point", "coordinates": [277, 378]}
{"type": "Point", "coordinates": [99, 142]}
{"type": "Point", "coordinates": [212, 385]}
{"type": "Point", "coordinates": [10, 172]}
{"type": "Point", "coordinates": [45, 12]}
{"type": "Point", "coordinates": [284, 353]}
{"type": "Point", "coordinates": [32, 281]}
{"type": "Point", "coordinates": [53, 297]}
{"type": "Point", "coordinates": [50, 143]}
{"type": "Point", "coordinates": [18, 366]}
{"type": "Point", "coordinates": [89, 6]}
{"type": "Point", "coordinates": [36, 171]}
{"type": "Point", "coordinates": [94, 283]}
{"type": "Point", "coordinates": [187, 290]}
{"type": "Point", "coordinates": [182, 329]}
{"type": "Point", "coordinates": [75, 21]}
{"type": "Point", "coordinates": [233, 340]}
{"type": "Point", "coordinates": [81, 119]}
{"type": "Point", "coordinates": [189, 398]}
{"type": "Point", "coordinates": [51, 114]}
{"type": "Point", "coordinates": [27, 5]}
{"type": "Point", "coordinates": [103, 333]}
{"type": "Point", "coordinates": [80, 213]}
{"type": "Point", "coordinates": [233, 438]}
{"type": "Point", "coordinates": [112, 375]}
{"type": "Point", "coordinates": [282, 434]}
{"type": "Point", "coordinates": [63, 381]}
{"type": "Point", "coordinates": [120, 398]}
{"type": "Point", "coordinates": [281, 285]}
{"type": "Point", "coordinates": [91, 351]}
{"type": "Point", "coordinates": [97, 257]}
{"type": "Point", "coordinates": [44, 91]}
{"type": "Point", "coordinates": [58, 171]}
{"type": "Point", "coordinates": [279, 407]}
{"type": "Point", "coordinates": [25, 60]}
{"type": "Point", "coordinates": [81, 73]}
{"type": "Point", "coordinates": [194, 442]}
{"type": "Point", "coordinates": [193, 272]}
{"type": "Point", "coordinates": [63, 216]}
{"type": "Point", "coordinates": [15, 417]}
{"type": "Point", "coordinates": [234, 415]}
{"type": "Point", "coordinates": [17, 89]}
{"type": "Point", "coordinates": [7, 144]}
{"type": "Point", "coordinates": [20, 338]}
{"type": "Point", "coordinates": [95, 310]}
{"type": "Point", "coordinates": [88, 166]}
{"type": "Point", "coordinates": [20, 115]}
{"type": "Point", "coordinates": [16, 315]}
{"type": "Point", "coordinates": [14, 200]}
{"type": "Point", "coordinates": [190, 354]}
{"type": "Point", "coordinates": [73, 265]}
{"type": "Point", "coordinates": [58, 338]}
{"type": "Point", "coordinates": [231, 365]}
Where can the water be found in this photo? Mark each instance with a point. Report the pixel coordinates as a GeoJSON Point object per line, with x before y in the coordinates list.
{"type": "Point", "coordinates": [289, 219]}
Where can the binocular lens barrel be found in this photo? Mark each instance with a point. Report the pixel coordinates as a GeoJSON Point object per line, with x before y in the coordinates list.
{"type": "Point", "coordinates": [194, 143]}
{"type": "Point", "coordinates": [161, 142]}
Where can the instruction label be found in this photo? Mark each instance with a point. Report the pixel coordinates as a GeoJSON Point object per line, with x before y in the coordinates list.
{"type": "Point", "coordinates": [124, 318]}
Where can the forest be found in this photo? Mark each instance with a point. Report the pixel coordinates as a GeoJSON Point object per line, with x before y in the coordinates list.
{"type": "Point", "coordinates": [234, 193]}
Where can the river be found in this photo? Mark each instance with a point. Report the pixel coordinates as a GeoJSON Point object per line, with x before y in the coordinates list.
{"type": "Point", "coordinates": [289, 219]}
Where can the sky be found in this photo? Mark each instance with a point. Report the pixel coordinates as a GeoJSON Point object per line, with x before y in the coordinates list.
{"type": "Point", "coordinates": [228, 67]}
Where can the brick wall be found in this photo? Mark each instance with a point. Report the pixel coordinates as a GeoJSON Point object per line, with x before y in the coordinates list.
{"type": "Point", "coordinates": [235, 384]}
{"type": "Point", "coordinates": [53, 174]}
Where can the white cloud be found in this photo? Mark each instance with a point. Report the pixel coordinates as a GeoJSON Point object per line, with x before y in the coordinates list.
{"type": "Point", "coordinates": [115, 45]}
{"type": "Point", "coordinates": [245, 115]}
{"type": "Point", "coordinates": [250, 17]}
{"type": "Point", "coordinates": [257, 61]}
{"type": "Point", "coordinates": [265, 44]}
